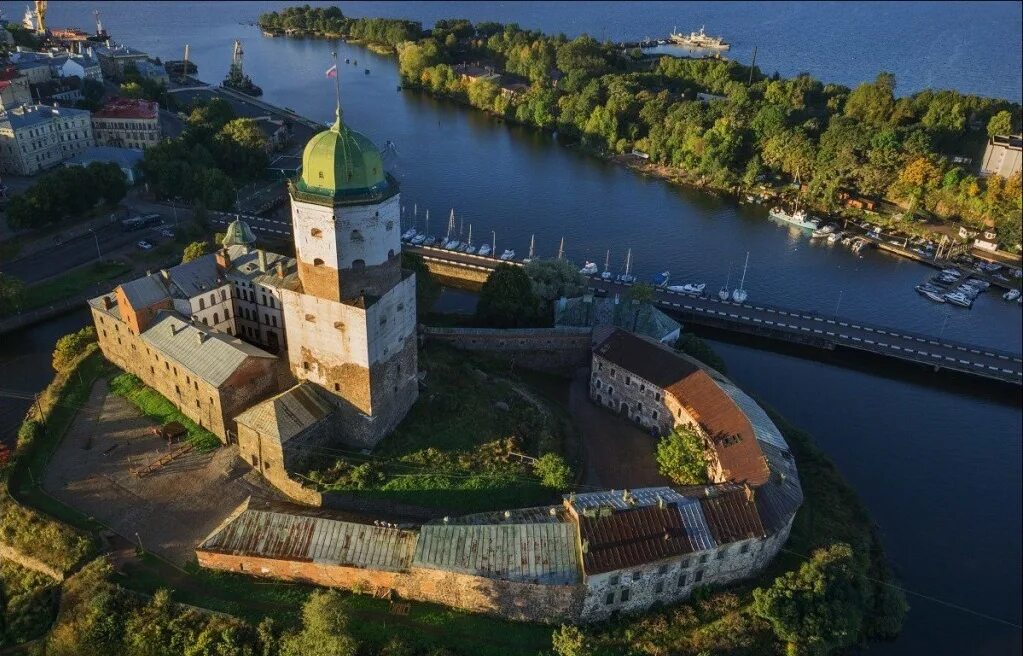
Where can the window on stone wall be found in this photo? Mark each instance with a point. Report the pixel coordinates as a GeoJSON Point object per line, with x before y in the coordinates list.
{"type": "Point", "coordinates": [637, 575]}
{"type": "Point", "coordinates": [389, 224]}
{"type": "Point", "coordinates": [356, 236]}
{"type": "Point", "coordinates": [657, 396]}
{"type": "Point", "coordinates": [197, 404]}
{"type": "Point", "coordinates": [600, 365]}
{"type": "Point", "coordinates": [311, 318]}
{"type": "Point", "coordinates": [316, 232]}
{"type": "Point", "coordinates": [337, 387]}
{"type": "Point", "coordinates": [358, 264]}
{"type": "Point", "coordinates": [683, 578]}
{"type": "Point", "coordinates": [213, 300]}
{"type": "Point", "coordinates": [196, 383]}
{"type": "Point", "coordinates": [662, 570]}
{"type": "Point", "coordinates": [615, 579]}
{"type": "Point", "coordinates": [202, 304]}
{"type": "Point", "coordinates": [305, 366]}
{"type": "Point", "coordinates": [655, 414]}
{"type": "Point", "coordinates": [744, 548]}
{"type": "Point", "coordinates": [255, 461]}
{"type": "Point", "coordinates": [698, 577]}
{"type": "Point", "coordinates": [628, 380]}
{"type": "Point", "coordinates": [642, 387]}
{"type": "Point", "coordinates": [401, 306]}
{"type": "Point", "coordinates": [625, 595]}
{"type": "Point", "coordinates": [216, 318]}
{"type": "Point", "coordinates": [177, 389]}
{"type": "Point", "coordinates": [316, 262]}
{"type": "Point", "coordinates": [720, 555]}
{"type": "Point", "coordinates": [659, 588]}
{"type": "Point", "coordinates": [609, 598]}
{"type": "Point", "coordinates": [703, 559]}
{"type": "Point", "coordinates": [390, 253]}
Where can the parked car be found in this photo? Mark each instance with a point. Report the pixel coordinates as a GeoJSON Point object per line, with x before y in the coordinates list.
{"type": "Point", "coordinates": [167, 232]}
{"type": "Point", "coordinates": [144, 245]}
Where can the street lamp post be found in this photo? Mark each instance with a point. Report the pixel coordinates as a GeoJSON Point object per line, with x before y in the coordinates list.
{"type": "Point", "coordinates": [99, 254]}
{"type": "Point", "coordinates": [839, 301]}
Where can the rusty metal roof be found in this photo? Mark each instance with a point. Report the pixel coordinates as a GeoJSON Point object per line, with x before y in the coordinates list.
{"type": "Point", "coordinates": [732, 516]}
{"type": "Point", "coordinates": [284, 416]}
{"type": "Point", "coordinates": [295, 535]}
{"type": "Point", "coordinates": [645, 358]}
{"type": "Point", "coordinates": [541, 552]}
{"type": "Point", "coordinates": [627, 538]}
{"type": "Point", "coordinates": [623, 499]}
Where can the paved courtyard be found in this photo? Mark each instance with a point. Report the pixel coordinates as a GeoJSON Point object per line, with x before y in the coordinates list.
{"type": "Point", "coordinates": [169, 510]}
{"type": "Point", "coordinates": [618, 454]}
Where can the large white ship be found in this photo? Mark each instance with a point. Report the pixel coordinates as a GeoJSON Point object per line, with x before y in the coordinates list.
{"type": "Point", "coordinates": [698, 40]}
{"type": "Point", "coordinates": [798, 217]}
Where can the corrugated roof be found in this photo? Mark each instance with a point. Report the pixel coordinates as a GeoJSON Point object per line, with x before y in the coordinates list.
{"type": "Point", "coordinates": [294, 535]}
{"type": "Point", "coordinates": [196, 277]}
{"type": "Point", "coordinates": [284, 416]}
{"type": "Point", "coordinates": [527, 553]}
{"type": "Point", "coordinates": [145, 291]}
{"type": "Point", "coordinates": [695, 524]}
{"type": "Point", "coordinates": [623, 499]}
{"type": "Point", "coordinates": [732, 516]}
{"type": "Point", "coordinates": [627, 538]}
{"type": "Point", "coordinates": [212, 359]}
{"type": "Point", "coordinates": [538, 515]}
{"type": "Point", "coordinates": [777, 500]}
{"type": "Point", "coordinates": [245, 266]}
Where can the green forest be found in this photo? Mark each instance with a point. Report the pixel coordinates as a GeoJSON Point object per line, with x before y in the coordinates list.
{"type": "Point", "coordinates": [728, 126]}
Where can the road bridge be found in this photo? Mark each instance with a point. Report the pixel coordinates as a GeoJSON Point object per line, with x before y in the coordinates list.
{"type": "Point", "coordinates": [769, 321]}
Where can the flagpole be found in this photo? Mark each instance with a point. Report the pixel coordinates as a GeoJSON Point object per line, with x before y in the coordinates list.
{"type": "Point", "coordinates": [337, 85]}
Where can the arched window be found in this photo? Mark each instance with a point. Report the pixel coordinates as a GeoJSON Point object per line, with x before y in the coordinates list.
{"type": "Point", "coordinates": [202, 303]}
{"type": "Point", "coordinates": [316, 232]}
{"type": "Point", "coordinates": [317, 262]}
{"type": "Point", "coordinates": [358, 264]}
{"type": "Point", "coordinates": [356, 235]}
{"type": "Point", "coordinates": [216, 318]}
{"type": "Point", "coordinates": [213, 299]}
{"type": "Point", "coordinates": [390, 254]}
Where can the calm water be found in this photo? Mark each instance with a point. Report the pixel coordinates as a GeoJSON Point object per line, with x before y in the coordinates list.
{"type": "Point", "coordinates": [939, 467]}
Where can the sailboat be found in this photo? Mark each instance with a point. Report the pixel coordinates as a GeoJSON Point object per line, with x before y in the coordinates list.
{"type": "Point", "coordinates": [724, 292]}
{"type": "Point", "coordinates": [627, 278]}
{"type": "Point", "coordinates": [532, 246]}
{"type": "Point", "coordinates": [430, 239]}
{"type": "Point", "coordinates": [607, 266]}
{"type": "Point", "coordinates": [468, 248]}
{"type": "Point", "coordinates": [485, 248]}
{"type": "Point", "coordinates": [491, 248]}
{"type": "Point", "coordinates": [740, 295]}
{"type": "Point", "coordinates": [451, 243]}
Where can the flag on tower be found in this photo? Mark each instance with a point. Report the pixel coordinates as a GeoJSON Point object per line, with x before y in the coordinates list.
{"type": "Point", "coordinates": [332, 71]}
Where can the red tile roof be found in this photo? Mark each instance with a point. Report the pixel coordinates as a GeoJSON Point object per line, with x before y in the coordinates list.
{"type": "Point", "coordinates": [128, 108]}
{"type": "Point", "coordinates": [732, 516]}
{"type": "Point", "coordinates": [627, 538]}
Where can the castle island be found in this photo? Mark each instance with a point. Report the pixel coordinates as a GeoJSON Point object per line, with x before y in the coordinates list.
{"type": "Point", "coordinates": [278, 355]}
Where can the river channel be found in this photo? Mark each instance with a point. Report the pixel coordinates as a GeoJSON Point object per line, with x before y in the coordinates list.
{"type": "Point", "coordinates": [937, 463]}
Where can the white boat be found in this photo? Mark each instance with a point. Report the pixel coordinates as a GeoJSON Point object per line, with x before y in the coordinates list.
{"type": "Point", "coordinates": [627, 278]}
{"type": "Point", "coordinates": [1011, 295]}
{"type": "Point", "coordinates": [430, 241]}
{"type": "Point", "coordinates": [689, 288]}
{"type": "Point", "coordinates": [724, 292]}
{"type": "Point", "coordinates": [960, 299]}
{"type": "Point", "coordinates": [589, 269]}
{"type": "Point", "coordinates": [835, 236]}
{"type": "Point", "coordinates": [934, 296]}
{"type": "Point", "coordinates": [508, 254]}
{"type": "Point", "coordinates": [408, 234]}
{"type": "Point", "coordinates": [418, 240]}
{"type": "Point", "coordinates": [698, 40]}
{"type": "Point", "coordinates": [606, 275]}
{"type": "Point", "coordinates": [484, 250]}
{"type": "Point", "coordinates": [532, 248]}
{"type": "Point", "coordinates": [797, 218]}
{"type": "Point", "coordinates": [467, 247]}
{"type": "Point", "coordinates": [858, 245]}
{"type": "Point", "coordinates": [739, 295]}
{"type": "Point", "coordinates": [822, 232]}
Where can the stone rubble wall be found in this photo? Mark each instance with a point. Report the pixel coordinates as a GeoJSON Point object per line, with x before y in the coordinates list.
{"type": "Point", "coordinates": [551, 350]}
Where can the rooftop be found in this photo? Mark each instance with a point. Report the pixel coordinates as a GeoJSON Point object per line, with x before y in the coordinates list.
{"type": "Point", "coordinates": [145, 291]}
{"type": "Point", "coordinates": [298, 533]}
{"type": "Point", "coordinates": [30, 115]}
{"type": "Point", "coordinates": [732, 516]}
{"type": "Point", "coordinates": [210, 355]}
{"type": "Point", "coordinates": [284, 416]}
{"type": "Point", "coordinates": [123, 157]}
{"type": "Point", "coordinates": [128, 108]}
{"type": "Point", "coordinates": [626, 538]}
{"type": "Point", "coordinates": [592, 311]}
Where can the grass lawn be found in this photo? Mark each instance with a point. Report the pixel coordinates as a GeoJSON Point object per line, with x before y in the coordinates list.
{"type": "Point", "coordinates": [159, 409]}
{"type": "Point", "coordinates": [457, 447]}
{"type": "Point", "coordinates": [71, 283]}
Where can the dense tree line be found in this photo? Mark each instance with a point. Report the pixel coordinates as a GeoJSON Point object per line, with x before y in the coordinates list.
{"type": "Point", "coordinates": [329, 21]}
{"type": "Point", "coordinates": [66, 193]}
{"type": "Point", "coordinates": [834, 139]}
{"type": "Point", "coordinates": [193, 165]}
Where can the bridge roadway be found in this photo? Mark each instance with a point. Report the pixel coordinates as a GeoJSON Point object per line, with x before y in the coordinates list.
{"type": "Point", "coordinates": [773, 322]}
{"type": "Point", "coordinates": [799, 326]}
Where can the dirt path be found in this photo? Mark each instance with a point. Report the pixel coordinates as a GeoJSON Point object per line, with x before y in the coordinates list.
{"type": "Point", "coordinates": [618, 454]}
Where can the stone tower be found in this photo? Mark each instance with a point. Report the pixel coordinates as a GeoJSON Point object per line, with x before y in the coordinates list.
{"type": "Point", "coordinates": [351, 320]}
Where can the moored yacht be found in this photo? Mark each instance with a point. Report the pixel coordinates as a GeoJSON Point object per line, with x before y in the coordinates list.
{"type": "Point", "coordinates": [661, 279]}
{"type": "Point", "coordinates": [960, 299]}
{"type": "Point", "coordinates": [823, 231]}
{"type": "Point", "coordinates": [589, 269]}
{"type": "Point", "coordinates": [689, 288]}
{"type": "Point", "coordinates": [1011, 295]}
{"type": "Point", "coordinates": [798, 218]}
{"type": "Point", "coordinates": [508, 254]}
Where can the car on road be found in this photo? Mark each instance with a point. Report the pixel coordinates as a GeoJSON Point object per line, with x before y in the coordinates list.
{"type": "Point", "coordinates": [144, 245]}
{"type": "Point", "coordinates": [167, 232]}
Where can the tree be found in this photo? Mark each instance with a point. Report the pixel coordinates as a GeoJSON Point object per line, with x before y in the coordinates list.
{"type": "Point", "coordinates": [692, 345]}
{"type": "Point", "coordinates": [1000, 124]}
{"type": "Point", "coordinates": [507, 299]}
{"type": "Point", "coordinates": [918, 177]}
{"type": "Point", "coordinates": [553, 471]}
{"type": "Point", "coordinates": [681, 457]}
{"type": "Point", "coordinates": [241, 148]}
{"type": "Point", "coordinates": [71, 346]}
{"type": "Point", "coordinates": [873, 102]}
{"type": "Point", "coordinates": [427, 287]}
{"type": "Point", "coordinates": [639, 295]}
{"type": "Point", "coordinates": [570, 641]}
{"type": "Point", "coordinates": [324, 628]}
{"type": "Point", "coordinates": [216, 189]}
{"type": "Point", "coordinates": [818, 608]}
{"type": "Point", "coordinates": [195, 250]}
{"type": "Point", "coordinates": [553, 279]}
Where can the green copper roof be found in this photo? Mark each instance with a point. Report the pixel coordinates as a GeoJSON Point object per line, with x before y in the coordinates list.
{"type": "Point", "coordinates": [341, 163]}
{"type": "Point", "coordinates": [239, 234]}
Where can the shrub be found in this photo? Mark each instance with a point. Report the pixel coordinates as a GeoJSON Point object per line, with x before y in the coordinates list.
{"type": "Point", "coordinates": [692, 345]}
{"type": "Point", "coordinates": [72, 346]}
{"type": "Point", "coordinates": [553, 472]}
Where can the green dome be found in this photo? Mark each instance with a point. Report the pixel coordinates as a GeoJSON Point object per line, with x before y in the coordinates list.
{"type": "Point", "coordinates": [342, 163]}
{"type": "Point", "coordinates": [239, 234]}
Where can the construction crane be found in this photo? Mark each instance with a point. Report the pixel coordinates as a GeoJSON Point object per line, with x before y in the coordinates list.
{"type": "Point", "coordinates": [99, 24]}
{"type": "Point", "coordinates": [40, 16]}
{"type": "Point", "coordinates": [236, 59]}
